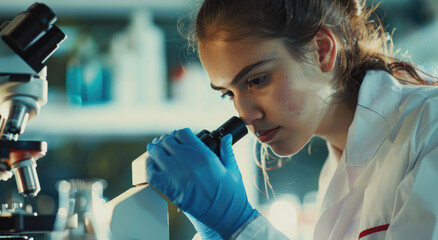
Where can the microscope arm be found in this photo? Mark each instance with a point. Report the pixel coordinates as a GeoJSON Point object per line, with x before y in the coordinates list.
{"type": "Point", "coordinates": [139, 174]}
{"type": "Point", "coordinates": [142, 205]}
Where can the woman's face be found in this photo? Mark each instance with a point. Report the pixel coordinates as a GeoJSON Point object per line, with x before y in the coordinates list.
{"type": "Point", "coordinates": [281, 99]}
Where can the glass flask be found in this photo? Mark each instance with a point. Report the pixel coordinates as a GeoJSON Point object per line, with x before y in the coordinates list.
{"type": "Point", "coordinates": [81, 214]}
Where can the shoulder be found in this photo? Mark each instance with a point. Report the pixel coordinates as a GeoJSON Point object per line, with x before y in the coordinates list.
{"type": "Point", "coordinates": [419, 107]}
{"type": "Point", "coordinates": [417, 121]}
{"type": "Point", "coordinates": [409, 111]}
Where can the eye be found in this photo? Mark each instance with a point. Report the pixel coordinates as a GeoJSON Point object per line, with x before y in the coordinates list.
{"type": "Point", "coordinates": [227, 94]}
{"type": "Point", "coordinates": [257, 81]}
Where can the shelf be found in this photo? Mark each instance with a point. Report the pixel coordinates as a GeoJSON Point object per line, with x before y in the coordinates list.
{"type": "Point", "coordinates": [115, 120]}
{"type": "Point", "coordinates": [98, 8]}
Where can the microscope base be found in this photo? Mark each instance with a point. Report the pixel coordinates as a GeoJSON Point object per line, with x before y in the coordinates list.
{"type": "Point", "coordinates": [21, 223]}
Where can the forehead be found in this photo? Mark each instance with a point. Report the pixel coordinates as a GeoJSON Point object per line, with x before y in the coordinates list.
{"type": "Point", "coordinates": [242, 49]}
{"type": "Point", "coordinates": [224, 59]}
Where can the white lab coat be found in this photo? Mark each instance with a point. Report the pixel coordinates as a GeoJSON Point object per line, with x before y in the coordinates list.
{"type": "Point", "coordinates": [385, 185]}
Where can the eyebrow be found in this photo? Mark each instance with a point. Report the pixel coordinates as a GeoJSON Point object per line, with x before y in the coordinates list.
{"type": "Point", "coordinates": [244, 72]}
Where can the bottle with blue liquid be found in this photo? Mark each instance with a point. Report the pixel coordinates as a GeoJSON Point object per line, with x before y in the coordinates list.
{"type": "Point", "coordinates": [88, 79]}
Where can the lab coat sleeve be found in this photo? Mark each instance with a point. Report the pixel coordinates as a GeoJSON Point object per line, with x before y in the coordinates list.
{"type": "Point", "coordinates": [258, 228]}
{"type": "Point", "coordinates": [417, 217]}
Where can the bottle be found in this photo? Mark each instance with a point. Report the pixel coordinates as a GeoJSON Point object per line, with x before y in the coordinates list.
{"type": "Point", "coordinates": [138, 57]}
{"type": "Point", "coordinates": [87, 79]}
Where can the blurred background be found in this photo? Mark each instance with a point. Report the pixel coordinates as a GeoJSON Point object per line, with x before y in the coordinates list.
{"type": "Point", "coordinates": [125, 76]}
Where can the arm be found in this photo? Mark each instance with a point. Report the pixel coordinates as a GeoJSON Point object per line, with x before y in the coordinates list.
{"type": "Point", "coordinates": [417, 217]}
{"type": "Point", "coordinates": [258, 228]}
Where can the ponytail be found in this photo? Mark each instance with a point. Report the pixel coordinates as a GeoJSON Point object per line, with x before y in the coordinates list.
{"type": "Point", "coordinates": [355, 7]}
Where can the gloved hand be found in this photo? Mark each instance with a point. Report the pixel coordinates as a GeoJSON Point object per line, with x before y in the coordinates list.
{"type": "Point", "coordinates": [193, 177]}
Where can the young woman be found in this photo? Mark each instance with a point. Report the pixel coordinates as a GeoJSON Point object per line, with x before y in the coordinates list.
{"type": "Point", "coordinates": [299, 68]}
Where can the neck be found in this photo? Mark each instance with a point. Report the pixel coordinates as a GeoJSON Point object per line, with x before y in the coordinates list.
{"type": "Point", "coordinates": [335, 125]}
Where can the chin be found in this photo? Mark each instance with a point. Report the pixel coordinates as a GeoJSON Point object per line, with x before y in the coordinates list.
{"type": "Point", "coordinates": [284, 151]}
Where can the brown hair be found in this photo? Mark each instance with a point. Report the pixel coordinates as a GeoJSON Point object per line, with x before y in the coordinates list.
{"type": "Point", "coordinates": [364, 43]}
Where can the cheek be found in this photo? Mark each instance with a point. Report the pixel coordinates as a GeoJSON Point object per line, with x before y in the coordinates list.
{"type": "Point", "coordinates": [290, 100]}
{"type": "Point", "coordinates": [295, 105]}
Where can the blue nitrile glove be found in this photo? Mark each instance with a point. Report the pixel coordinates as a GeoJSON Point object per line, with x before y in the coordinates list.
{"type": "Point", "coordinates": [197, 181]}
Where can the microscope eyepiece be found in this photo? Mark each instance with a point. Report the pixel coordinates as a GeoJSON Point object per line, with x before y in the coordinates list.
{"type": "Point", "coordinates": [25, 28]}
{"type": "Point", "coordinates": [234, 126]}
{"type": "Point", "coordinates": [47, 44]}
{"type": "Point", "coordinates": [43, 13]}
{"type": "Point", "coordinates": [33, 36]}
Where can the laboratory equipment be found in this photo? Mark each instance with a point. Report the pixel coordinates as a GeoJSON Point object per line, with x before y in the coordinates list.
{"type": "Point", "coordinates": [81, 214]}
{"type": "Point", "coordinates": [26, 42]}
{"type": "Point", "coordinates": [234, 126]}
{"type": "Point", "coordinates": [143, 205]}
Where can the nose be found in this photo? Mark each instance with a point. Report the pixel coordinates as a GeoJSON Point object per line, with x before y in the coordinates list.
{"type": "Point", "coordinates": [248, 109]}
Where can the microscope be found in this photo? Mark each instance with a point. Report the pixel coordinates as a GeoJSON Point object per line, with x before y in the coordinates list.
{"type": "Point", "coordinates": [26, 42]}
{"type": "Point", "coordinates": [145, 208]}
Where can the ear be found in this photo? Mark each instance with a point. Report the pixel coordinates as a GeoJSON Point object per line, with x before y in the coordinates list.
{"type": "Point", "coordinates": [326, 47]}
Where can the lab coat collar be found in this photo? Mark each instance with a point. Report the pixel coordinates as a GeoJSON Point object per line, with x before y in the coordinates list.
{"type": "Point", "coordinates": [377, 110]}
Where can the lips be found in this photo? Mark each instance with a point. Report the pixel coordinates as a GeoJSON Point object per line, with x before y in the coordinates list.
{"type": "Point", "coordinates": [267, 135]}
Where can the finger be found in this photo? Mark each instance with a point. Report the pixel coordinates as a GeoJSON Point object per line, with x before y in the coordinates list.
{"type": "Point", "coordinates": [186, 136]}
{"type": "Point", "coordinates": [227, 154]}
{"type": "Point", "coordinates": [171, 145]}
{"type": "Point", "coordinates": [151, 145]}
{"type": "Point", "coordinates": [173, 133]}
{"type": "Point", "coordinates": [159, 156]}
{"type": "Point", "coordinates": [163, 137]}
{"type": "Point", "coordinates": [159, 138]}
{"type": "Point", "coordinates": [154, 176]}
{"type": "Point", "coordinates": [150, 164]}
{"type": "Point", "coordinates": [168, 142]}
